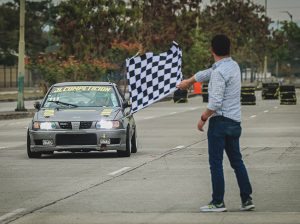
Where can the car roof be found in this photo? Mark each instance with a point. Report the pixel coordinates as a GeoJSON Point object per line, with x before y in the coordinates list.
{"type": "Point", "coordinates": [84, 84]}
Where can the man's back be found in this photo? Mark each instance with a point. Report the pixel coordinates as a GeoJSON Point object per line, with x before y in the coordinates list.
{"type": "Point", "coordinates": [225, 88]}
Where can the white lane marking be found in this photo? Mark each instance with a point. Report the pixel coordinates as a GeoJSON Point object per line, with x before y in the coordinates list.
{"type": "Point", "coordinates": [252, 116]}
{"type": "Point", "coordinates": [119, 171]}
{"type": "Point", "coordinates": [172, 113]}
{"type": "Point", "coordinates": [11, 214]}
{"type": "Point", "coordinates": [146, 118]}
{"type": "Point", "coordinates": [179, 147]}
{"type": "Point", "coordinates": [266, 111]}
{"type": "Point", "coordinates": [275, 107]}
{"type": "Point", "coordinates": [1, 147]}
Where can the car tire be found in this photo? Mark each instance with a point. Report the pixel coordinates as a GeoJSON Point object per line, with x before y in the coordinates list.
{"type": "Point", "coordinates": [29, 152]}
{"type": "Point", "coordinates": [128, 146]}
{"type": "Point", "coordinates": [134, 144]}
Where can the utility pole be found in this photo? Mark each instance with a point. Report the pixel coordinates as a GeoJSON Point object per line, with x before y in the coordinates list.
{"type": "Point", "coordinates": [277, 68]}
{"type": "Point", "coordinates": [21, 63]}
{"type": "Point", "coordinates": [265, 58]}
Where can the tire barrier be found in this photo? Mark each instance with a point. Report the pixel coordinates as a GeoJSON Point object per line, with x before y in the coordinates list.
{"type": "Point", "coordinates": [180, 96]}
{"type": "Point", "coordinates": [287, 95]}
{"type": "Point", "coordinates": [205, 92]}
{"type": "Point", "coordinates": [248, 95]}
{"type": "Point", "coordinates": [270, 91]}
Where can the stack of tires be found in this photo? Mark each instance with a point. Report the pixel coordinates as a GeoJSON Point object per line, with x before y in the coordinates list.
{"type": "Point", "coordinates": [180, 96]}
{"type": "Point", "coordinates": [248, 95]}
{"type": "Point", "coordinates": [287, 95]}
{"type": "Point", "coordinates": [205, 92]}
{"type": "Point", "coordinates": [270, 91]}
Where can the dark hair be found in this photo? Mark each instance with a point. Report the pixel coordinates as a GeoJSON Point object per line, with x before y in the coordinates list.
{"type": "Point", "coordinates": [220, 45]}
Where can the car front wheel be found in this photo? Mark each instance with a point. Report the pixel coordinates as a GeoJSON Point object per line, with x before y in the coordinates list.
{"type": "Point", "coordinates": [29, 152]}
{"type": "Point", "coordinates": [134, 144]}
{"type": "Point", "coordinates": [127, 152]}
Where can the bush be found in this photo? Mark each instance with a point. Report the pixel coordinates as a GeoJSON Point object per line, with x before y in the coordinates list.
{"type": "Point", "coordinates": [54, 70]}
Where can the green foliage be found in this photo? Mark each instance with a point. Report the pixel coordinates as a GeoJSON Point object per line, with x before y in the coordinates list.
{"type": "Point", "coordinates": [290, 33]}
{"type": "Point", "coordinates": [86, 29]}
{"type": "Point", "coordinates": [285, 47]}
{"type": "Point", "coordinates": [100, 34]}
{"type": "Point", "coordinates": [36, 15]}
{"type": "Point", "coordinates": [244, 22]}
{"type": "Point", "coordinates": [198, 56]}
{"type": "Point", "coordinates": [8, 33]}
{"type": "Point", "coordinates": [165, 21]}
{"type": "Point", "coordinates": [53, 70]}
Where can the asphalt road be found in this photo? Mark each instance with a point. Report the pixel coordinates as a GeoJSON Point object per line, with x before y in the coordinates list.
{"type": "Point", "coordinates": [165, 182]}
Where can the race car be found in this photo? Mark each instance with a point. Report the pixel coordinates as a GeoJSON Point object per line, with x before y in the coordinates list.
{"type": "Point", "coordinates": [82, 117]}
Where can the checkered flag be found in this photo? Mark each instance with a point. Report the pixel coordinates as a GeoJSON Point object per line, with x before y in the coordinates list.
{"type": "Point", "coordinates": [152, 77]}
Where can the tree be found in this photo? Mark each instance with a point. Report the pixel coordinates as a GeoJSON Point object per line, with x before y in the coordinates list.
{"type": "Point", "coordinates": [164, 21]}
{"type": "Point", "coordinates": [198, 56]}
{"type": "Point", "coordinates": [285, 47]}
{"type": "Point", "coordinates": [8, 33]}
{"type": "Point", "coordinates": [161, 22]}
{"type": "Point", "coordinates": [86, 29]}
{"type": "Point", "coordinates": [36, 16]}
{"type": "Point", "coordinates": [246, 25]}
{"type": "Point", "coordinates": [116, 30]}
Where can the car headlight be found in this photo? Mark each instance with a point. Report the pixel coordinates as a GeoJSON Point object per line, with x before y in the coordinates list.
{"type": "Point", "coordinates": [44, 125]}
{"type": "Point", "coordinates": [104, 124]}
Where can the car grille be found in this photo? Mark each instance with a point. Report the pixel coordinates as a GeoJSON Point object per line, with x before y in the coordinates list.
{"type": "Point", "coordinates": [68, 125]}
{"type": "Point", "coordinates": [76, 139]}
{"type": "Point", "coordinates": [65, 125]}
{"type": "Point", "coordinates": [85, 124]}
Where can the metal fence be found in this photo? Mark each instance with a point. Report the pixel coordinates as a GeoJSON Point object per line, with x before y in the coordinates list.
{"type": "Point", "coordinates": [9, 77]}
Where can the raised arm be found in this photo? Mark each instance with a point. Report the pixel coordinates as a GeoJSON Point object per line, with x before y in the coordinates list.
{"type": "Point", "coordinates": [201, 76]}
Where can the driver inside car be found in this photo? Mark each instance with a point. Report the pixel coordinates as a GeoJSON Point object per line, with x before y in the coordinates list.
{"type": "Point", "coordinates": [102, 100]}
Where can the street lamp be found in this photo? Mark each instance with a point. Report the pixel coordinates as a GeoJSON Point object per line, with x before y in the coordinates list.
{"type": "Point", "coordinates": [21, 62]}
{"type": "Point", "coordinates": [265, 57]}
{"type": "Point", "coordinates": [290, 15]}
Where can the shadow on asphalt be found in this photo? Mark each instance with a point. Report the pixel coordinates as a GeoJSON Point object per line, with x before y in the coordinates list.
{"type": "Point", "coordinates": [81, 155]}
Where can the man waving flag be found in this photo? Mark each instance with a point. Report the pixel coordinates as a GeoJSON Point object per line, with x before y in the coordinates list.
{"type": "Point", "coordinates": [152, 77]}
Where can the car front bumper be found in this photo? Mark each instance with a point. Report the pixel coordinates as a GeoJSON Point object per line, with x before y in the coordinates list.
{"type": "Point", "coordinates": [82, 140]}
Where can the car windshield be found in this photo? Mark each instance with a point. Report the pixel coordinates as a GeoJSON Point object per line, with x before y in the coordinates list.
{"type": "Point", "coordinates": [81, 96]}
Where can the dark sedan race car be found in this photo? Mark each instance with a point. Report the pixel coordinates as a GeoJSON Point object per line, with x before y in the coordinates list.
{"type": "Point", "coordinates": [82, 117]}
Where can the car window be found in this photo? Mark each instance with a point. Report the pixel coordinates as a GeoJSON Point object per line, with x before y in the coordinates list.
{"type": "Point", "coordinates": [82, 96]}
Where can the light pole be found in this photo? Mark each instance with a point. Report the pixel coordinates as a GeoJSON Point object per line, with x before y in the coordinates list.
{"type": "Point", "coordinates": [265, 58]}
{"type": "Point", "coordinates": [21, 62]}
{"type": "Point", "coordinates": [290, 15]}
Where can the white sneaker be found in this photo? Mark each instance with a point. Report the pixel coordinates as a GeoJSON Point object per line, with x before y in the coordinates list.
{"type": "Point", "coordinates": [212, 207]}
{"type": "Point", "coordinates": [247, 206]}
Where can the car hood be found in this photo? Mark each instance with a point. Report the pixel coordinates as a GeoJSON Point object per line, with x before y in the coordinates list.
{"type": "Point", "coordinates": [79, 114]}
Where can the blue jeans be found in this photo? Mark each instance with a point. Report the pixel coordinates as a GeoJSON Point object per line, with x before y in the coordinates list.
{"type": "Point", "coordinates": [224, 133]}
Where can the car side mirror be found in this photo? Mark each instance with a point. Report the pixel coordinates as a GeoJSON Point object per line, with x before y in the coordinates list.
{"type": "Point", "coordinates": [126, 104]}
{"type": "Point", "coordinates": [37, 105]}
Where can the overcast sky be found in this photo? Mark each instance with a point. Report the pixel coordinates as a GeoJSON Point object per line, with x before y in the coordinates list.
{"type": "Point", "coordinates": [276, 9]}
{"type": "Point", "coordinates": [279, 9]}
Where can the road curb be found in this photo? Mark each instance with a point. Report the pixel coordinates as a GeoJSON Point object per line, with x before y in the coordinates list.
{"type": "Point", "coordinates": [14, 100]}
{"type": "Point", "coordinates": [17, 114]}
